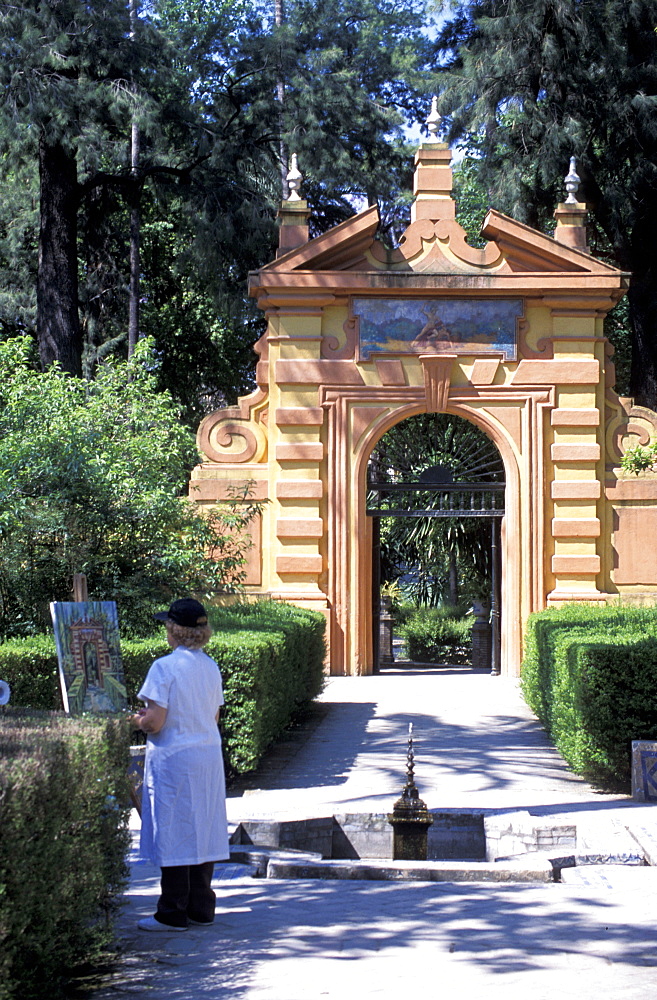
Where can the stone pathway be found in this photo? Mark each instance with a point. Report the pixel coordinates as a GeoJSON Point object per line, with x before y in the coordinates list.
{"type": "Point", "coordinates": [477, 747]}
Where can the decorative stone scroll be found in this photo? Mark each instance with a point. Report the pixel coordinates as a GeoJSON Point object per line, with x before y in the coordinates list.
{"type": "Point", "coordinates": [232, 435]}
{"type": "Point", "coordinates": [631, 425]}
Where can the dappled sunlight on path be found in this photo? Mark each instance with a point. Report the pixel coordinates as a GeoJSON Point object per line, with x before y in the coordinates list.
{"type": "Point", "coordinates": [477, 745]}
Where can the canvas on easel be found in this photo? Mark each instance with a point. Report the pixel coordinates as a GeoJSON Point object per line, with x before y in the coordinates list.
{"type": "Point", "coordinates": [89, 656]}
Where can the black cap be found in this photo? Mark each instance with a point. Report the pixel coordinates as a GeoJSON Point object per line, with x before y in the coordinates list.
{"type": "Point", "coordinates": [186, 612]}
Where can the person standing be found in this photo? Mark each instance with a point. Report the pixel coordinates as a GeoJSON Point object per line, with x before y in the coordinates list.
{"type": "Point", "coordinates": [184, 827]}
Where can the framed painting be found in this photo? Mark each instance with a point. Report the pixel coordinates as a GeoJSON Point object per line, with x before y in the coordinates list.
{"type": "Point", "coordinates": [437, 326]}
{"type": "Point", "coordinates": [89, 656]}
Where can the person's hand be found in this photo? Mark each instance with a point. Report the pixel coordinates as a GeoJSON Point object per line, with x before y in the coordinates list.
{"type": "Point", "coordinates": [134, 719]}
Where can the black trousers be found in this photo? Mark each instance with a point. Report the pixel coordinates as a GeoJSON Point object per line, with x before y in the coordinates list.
{"type": "Point", "coordinates": [186, 895]}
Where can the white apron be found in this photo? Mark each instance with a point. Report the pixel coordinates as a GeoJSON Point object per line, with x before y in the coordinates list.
{"type": "Point", "coordinates": [183, 818]}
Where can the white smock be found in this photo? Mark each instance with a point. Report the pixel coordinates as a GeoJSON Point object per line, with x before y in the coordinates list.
{"type": "Point", "coordinates": [183, 819]}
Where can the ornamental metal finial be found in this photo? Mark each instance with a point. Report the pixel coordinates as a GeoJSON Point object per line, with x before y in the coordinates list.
{"type": "Point", "coordinates": [572, 182]}
{"type": "Point", "coordinates": [294, 179]}
{"type": "Point", "coordinates": [410, 793]}
{"type": "Point", "coordinates": [433, 120]}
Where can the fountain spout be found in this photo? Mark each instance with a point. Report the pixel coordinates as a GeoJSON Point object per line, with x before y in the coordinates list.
{"type": "Point", "coordinates": [410, 818]}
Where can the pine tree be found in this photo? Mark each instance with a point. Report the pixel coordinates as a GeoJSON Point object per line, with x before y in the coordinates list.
{"type": "Point", "coordinates": [64, 66]}
{"type": "Point", "coordinates": [529, 83]}
{"type": "Point", "coordinates": [199, 80]}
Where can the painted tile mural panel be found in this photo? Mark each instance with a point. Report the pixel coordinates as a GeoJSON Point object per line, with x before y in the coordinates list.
{"type": "Point", "coordinates": [438, 326]}
{"type": "Point", "coordinates": [89, 655]}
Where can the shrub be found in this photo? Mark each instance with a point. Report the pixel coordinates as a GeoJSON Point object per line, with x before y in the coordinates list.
{"type": "Point", "coordinates": [432, 635]}
{"type": "Point", "coordinates": [63, 840]}
{"type": "Point", "coordinates": [93, 477]}
{"type": "Point", "coordinates": [590, 675]}
{"type": "Point", "coordinates": [30, 668]}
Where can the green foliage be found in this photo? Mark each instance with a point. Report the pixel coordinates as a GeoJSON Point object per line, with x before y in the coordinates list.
{"type": "Point", "coordinates": [618, 330]}
{"type": "Point", "coordinates": [433, 635]}
{"type": "Point", "coordinates": [590, 675]}
{"type": "Point", "coordinates": [640, 458]}
{"type": "Point", "coordinates": [63, 840]}
{"type": "Point", "coordinates": [471, 197]}
{"type": "Point", "coordinates": [528, 84]}
{"type": "Point", "coordinates": [19, 227]}
{"type": "Point", "coordinates": [202, 83]}
{"type": "Point", "coordinates": [438, 559]}
{"type": "Point", "coordinates": [91, 481]}
{"type": "Point", "coordinates": [29, 666]}
{"type": "Point", "coordinates": [271, 657]}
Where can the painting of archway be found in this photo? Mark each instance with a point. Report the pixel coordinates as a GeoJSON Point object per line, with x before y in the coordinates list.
{"type": "Point", "coordinates": [89, 656]}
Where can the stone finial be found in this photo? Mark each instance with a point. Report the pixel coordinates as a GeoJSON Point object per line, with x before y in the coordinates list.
{"type": "Point", "coordinates": [293, 213]}
{"type": "Point", "coordinates": [571, 214]}
{"type": "Point", "coordinates": [433, 119]}
{"type": "Point", "coordinates": [294, 178]}
{"type": "Point", "coordinates": [572, 181]}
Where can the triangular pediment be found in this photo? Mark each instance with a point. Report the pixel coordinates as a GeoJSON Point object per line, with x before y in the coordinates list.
{"type": "Point", "coordinates": [432, 246]}
{"type": "Point", "coordinates": [528, 250]}
{"type": "Point", "coordinates": [341, 248]}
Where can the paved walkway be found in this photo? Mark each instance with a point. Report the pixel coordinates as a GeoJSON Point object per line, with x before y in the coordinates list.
{"type": "Point", "coordinates": [477, 746]}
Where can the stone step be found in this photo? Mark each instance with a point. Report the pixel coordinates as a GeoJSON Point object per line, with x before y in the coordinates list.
{"type": "Point", "coordinates": [258, 857]}
{"type": "Point", "coordinates": [522, 870]}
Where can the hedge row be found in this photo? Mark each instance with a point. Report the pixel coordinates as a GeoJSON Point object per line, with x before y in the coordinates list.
{"type": "Point", "coordinates": [433, 635]}
{"type": "Point", "coordinates": [590, 675]}
{"type": "Point", "coordinates": [63, 841]}
{"type": "Point", "coordinates": [271, 657]}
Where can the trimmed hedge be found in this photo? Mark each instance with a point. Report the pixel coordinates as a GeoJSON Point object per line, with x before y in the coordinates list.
{"type": "Point", "coordinates": [590, 675]}
{"type": "Point", "coordinates": [271, 656]}
{"type": "Point", "coordinates": [433, 635]}
{"type": "Point", "coordinates": [63, 841]}
{"type": "Point", "coordinates": [30, 668]}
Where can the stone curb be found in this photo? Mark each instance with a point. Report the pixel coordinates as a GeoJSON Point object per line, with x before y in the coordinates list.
{"type": "Point", "coordinates": [413, 871]}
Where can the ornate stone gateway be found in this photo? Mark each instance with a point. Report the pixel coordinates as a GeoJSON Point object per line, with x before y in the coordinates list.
{"type": "Point", "coordinates": [510, 337]}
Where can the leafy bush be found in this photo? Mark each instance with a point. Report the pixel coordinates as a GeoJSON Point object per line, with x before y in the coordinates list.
{"type": "Point", "coordinates": [433, 635]}
{"type": "Point", "coordinates": [271, 656]}
{"type": "Point", "coordinates": [63, 841]}
{"type": "Point", "coordinates": [92, 480]}
{"type": "Point", "coordinates": [30, 668]}
{"type": "Point", "coordinates": [590, 675]}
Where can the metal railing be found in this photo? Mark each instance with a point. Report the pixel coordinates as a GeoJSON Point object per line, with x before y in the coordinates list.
{"type": "Point", "coordinates": [440, 500]}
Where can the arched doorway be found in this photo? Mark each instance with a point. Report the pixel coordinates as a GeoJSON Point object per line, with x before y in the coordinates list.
{"type": "Point", "coordinates": [435, 497]}
{"type": "Point", "coordinates": [519, 537]}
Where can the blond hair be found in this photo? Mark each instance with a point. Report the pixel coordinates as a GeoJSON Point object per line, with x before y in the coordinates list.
{"type": "Point", "coordinates": [194, 637]}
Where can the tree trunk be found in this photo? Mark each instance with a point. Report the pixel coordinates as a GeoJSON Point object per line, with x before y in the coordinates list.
{"type": "Point", "coordinates": [643, 378]}
{"type": "Point", "coordinates": [135, 254]}
{"type": "Point", "coordinates": [135, 219]}
{"type": "Point", "coordinates": [58, 322]}
{"type": "Point", "coordinates": [453, 580]}
{"type": "Point", "coordinates": [279, 19]}
{"type": "Point", "coordinates": [643, 316]}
